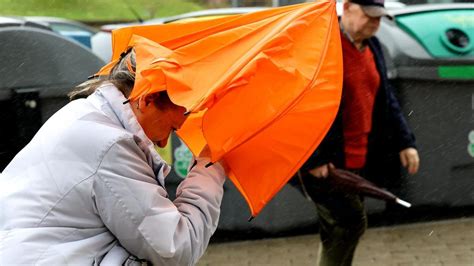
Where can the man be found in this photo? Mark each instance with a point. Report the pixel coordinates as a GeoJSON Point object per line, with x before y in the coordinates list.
{"type": "Point", "coordinates": [368, 130]}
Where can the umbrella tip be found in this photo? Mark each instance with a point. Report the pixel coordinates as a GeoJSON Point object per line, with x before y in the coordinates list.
{"type": "Point", "coordinates": [403, 203]}
{"type": "Point", "coordinates": [250, 219]}
{"type": "Point", "coordinates": [187, 113]}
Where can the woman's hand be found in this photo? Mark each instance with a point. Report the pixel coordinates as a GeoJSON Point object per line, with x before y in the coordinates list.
{"type": "Point", "coordinates": [206, 153]}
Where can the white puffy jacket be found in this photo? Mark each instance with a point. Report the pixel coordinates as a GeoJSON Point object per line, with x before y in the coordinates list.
{"type": "Point", "coordinates": [88, 190]}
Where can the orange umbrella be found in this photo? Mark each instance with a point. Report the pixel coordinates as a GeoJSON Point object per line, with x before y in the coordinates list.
{"type": "Point", "coordinates": [262, 88]}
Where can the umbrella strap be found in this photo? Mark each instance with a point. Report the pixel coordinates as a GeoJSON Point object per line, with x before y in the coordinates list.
{"type": "Point", "coordinates": [303, 187]}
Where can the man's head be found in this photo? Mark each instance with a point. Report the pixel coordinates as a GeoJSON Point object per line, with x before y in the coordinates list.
{"type": "Point", "coordinates": [361, 18]}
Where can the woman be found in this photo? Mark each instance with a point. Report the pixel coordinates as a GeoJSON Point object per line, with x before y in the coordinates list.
{"type": "Point", "coordinates": [89, 188]}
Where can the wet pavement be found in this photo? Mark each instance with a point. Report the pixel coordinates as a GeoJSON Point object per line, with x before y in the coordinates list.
{"type": "Point", "coordinates": [448, 242]}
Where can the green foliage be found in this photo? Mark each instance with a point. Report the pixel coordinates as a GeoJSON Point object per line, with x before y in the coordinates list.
{"type": "Point", "coordinates": [96, 10]}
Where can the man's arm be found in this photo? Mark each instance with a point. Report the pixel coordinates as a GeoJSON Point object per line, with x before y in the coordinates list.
{"type": "Point", "coordinates": [405, 136]}
{"type": "Point", "coordinates": [406, 139]}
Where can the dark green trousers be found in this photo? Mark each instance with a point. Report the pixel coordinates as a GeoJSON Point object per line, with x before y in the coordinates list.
{"type": "Point", "coordinates": [342, 220]}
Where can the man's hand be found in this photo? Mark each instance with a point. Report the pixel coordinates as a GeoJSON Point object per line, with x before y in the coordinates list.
{"type": "Point", "coordinates": [410, 160]}
{"type": "Point", "coordinates": [321, 171]}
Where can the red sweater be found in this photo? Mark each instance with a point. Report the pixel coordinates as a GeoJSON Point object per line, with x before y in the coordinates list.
{"type": "Point", "coordinates": [361, 82]}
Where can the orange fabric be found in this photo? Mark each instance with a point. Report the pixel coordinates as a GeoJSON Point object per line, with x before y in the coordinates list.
{"type": "Point", "coordinates": [263, 88]}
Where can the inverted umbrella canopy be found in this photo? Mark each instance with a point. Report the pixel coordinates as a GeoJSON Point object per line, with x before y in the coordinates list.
{"type": "Point", "coordinates": [262, 88]}
{"type": "Point", "coordinates": [349, 182]}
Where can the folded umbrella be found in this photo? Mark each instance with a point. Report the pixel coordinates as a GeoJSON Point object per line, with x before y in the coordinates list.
{"type": "Point", "coordinates": [262, 89]}
{"type": "Point", "coordinates": [349, 182]}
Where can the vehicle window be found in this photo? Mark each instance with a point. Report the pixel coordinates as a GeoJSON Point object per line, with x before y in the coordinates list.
{"type": "Point", "coordinates": [62, 27]}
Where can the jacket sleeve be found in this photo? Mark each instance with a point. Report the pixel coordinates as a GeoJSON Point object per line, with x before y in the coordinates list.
{"type": "Point", "coordinates": [397, 121]}
{"type": "Point", "coordinates": [146, 223]}
{"type": "Point", "coordinates": [404, 135]}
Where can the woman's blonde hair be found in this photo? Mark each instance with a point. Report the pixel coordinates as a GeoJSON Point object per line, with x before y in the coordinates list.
{"type": "Point", "coordinates": [122, 76]}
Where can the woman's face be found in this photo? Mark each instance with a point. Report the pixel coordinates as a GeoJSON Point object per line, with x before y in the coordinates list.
{"type": "Point", "coordinates": [158, 121]}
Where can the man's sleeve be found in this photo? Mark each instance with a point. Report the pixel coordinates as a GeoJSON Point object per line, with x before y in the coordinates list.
{"type": "Point", "coordinates": [146, 223]}
{"type": "Point", "coordinates": [397, 121]}
{"type": "Point", "coordinates": [405, 136]}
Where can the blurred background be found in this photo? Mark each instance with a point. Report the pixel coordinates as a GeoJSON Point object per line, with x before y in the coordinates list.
{"type": "Point", "coordinates": [49, 46]}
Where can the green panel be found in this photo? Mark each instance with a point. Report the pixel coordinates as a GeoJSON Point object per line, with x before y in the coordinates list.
{"type": "Point", "coordinates": [429, 29]}
{"type": "Point", "coordinates": [456, 72]}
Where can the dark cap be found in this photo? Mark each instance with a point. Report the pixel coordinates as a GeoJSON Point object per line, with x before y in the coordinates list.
{"type": "Point", "coordinates": [372, 8]}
